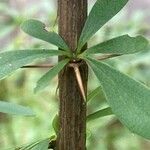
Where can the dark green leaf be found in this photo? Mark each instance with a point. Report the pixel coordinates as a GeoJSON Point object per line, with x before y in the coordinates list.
{"type": "Point", "coordinates": [128, 99]}
{"type": "Point", "coordinates": [98, 114]}
{"type": "Point", "coordinates": [102, 12]}
{"type": "Point", "coordinates": [52, 143]}
{"type": "Point", "coordinates": [93, 94]}
{"type": "Point", "coordinates": [120, 45]}
{"type": "Point", "coordinates": [55, 124]}
{"type": "Point", "coordinates": [37, 29]}
{"type": "Point", "coordinates": [14, 109]}
{"type": "Point", "coordinates": [13, 60]}
{"type": "Point", "coordinates": [45, 79]}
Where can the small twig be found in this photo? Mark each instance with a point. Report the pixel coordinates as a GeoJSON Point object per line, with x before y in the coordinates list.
{"type": "Point", "coordinates": [38, 66]}
{"type": "Point", "coordinates": [106, 56]}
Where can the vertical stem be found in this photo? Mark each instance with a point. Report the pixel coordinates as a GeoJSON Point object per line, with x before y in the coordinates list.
{"type": "Point", "coordinates": [72, 134]}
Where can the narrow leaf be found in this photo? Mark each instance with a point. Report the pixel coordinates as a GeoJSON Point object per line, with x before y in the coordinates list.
{"type": "Point", "coordinates": [98, 114]}
{"type": "Point", "coordinates": [120, 45]}
{"type": "Point", "coordinates": [29, 146]}
{"type": "Point", "coordinates": [93, 94]}
{"type": "Point", "coordinates": [44, 80]}
{"type": "Point", "coordinates": [14, 109]}
{"type": "Point", "coordinates": [129, 99]}
{"type": "Point", "coordinates": [37, 29]}
{"type": "Point", "coordinates": [43, 145]}
{"type": "Point", "coordinates": [38, 144]}
{"type": "Point", "coordinates": [102, 12]}
{"type": "Point", "coordinates": [13, 60]}
{"type": "Point", "coordinates": [55, 124]}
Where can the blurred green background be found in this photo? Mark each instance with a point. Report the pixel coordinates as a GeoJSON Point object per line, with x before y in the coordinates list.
{"type": "Point", "coordinates": [102, 134]}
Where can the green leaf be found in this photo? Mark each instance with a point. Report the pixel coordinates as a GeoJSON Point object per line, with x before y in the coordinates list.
{"type": "Point", "coordinates": [98, 114]}
{"type": "Point", "coordinates": [43, 145]}
{"type": "Point", "coordinates": [13, 60]}
{"type": "Point", "coordinates": [88, 134]}
{"type": "Point", "coordinates": [29, 146]}
{"type": "Point", "coordinates": [128, 99]}
{"type": "Point", "coordinates": [44, 80]}
{"type": "Point", "coordinates": [120, 45]}
{"type": "Point", "coordinates": [53, 141]}
{"type": "Point", "coordinates": [37, 29]}
{"type": "Point", "coordinates": [102, 12]}
{"type": "Point", "coordinates": [38, 145]}
{"type": "Point", "coordinates": [93, 94]}
{"type": "Point", "coordinates": [55, 124]}
{"type": "Point", "coordinates": [14, 109]}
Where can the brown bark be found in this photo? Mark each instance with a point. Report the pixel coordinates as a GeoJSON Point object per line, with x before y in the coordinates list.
{"type": "Point", "coordinates": [72, 135]}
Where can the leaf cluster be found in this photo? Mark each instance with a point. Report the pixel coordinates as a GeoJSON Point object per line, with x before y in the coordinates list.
{"type": "Point", "coordinates": [128, 99]}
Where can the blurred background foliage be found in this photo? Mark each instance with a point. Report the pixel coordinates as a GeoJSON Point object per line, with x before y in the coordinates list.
{"type": "Point", "coordinates": [105, 133]}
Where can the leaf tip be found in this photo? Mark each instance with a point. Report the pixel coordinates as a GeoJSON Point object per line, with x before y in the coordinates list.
{"type": "Point", "coordinates": [31, 24]}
